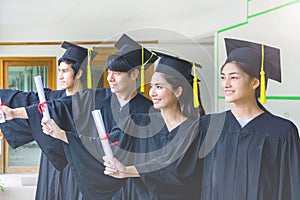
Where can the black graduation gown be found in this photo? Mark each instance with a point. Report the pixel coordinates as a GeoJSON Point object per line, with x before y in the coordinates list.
{"type": "Point", "coordinates": [86, 151]}
{"type": "Point", "coordinates": [52, 184]}
{"type": "Point", "coordinates": [259, 161]}
{"type": "Point", "coordinates": [168, 161]}
{"type": "Point", "coordinates": [87, 171]}
{"type": "Point", "coordinates": [114, 115]}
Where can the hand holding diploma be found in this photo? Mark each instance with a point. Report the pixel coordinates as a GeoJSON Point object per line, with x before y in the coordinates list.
{"type": "Point", "coordinates": [55, 132]}
{"type": "Point", "coordinates": [119, 170]}
{"type": "Point", "coordinates": [103, 135]}
{"type": "Point", "coordinates": [42, 105]}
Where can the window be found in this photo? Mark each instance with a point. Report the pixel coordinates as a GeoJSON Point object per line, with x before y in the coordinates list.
{"type": "Point", "coordinates": [17, 73]}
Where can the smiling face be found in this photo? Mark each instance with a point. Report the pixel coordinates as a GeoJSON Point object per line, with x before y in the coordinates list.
{"type": "Point", "coordinates": [122, 82]}
{"type": "Point", "coordinates": [161, 92]}
{"type": "Point", "coordinates": [237, 85]}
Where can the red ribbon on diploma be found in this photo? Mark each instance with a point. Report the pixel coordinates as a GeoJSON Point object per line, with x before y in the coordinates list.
{"type": "Point", "coordinates": [3, 104]}
{"type": "Point", "coordinates": [42, 107]}
{"type": "Point", "coordinates": [107, 137]}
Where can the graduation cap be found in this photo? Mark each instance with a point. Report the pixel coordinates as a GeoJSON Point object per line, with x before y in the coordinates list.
{"type": "Point", "coordinates": [79, 54]}
{"type": "Point", "coordinates": [136, 54]}
{"type": "Point", "coordinates": [184, 67]}
{"type": "Point", "coordinates": [263, 60]}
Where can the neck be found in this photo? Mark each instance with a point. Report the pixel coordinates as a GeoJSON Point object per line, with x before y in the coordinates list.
{"type": "Point", "coordinates": [75, 88]}
{"type": "Point", "coordinates": [123, 98]}
{"type": "Point", "coordinates": [246, 111]}
{"type": "Point", "coordinates": [172, 117]}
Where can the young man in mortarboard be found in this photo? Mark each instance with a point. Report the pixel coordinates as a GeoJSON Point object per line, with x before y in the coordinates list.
{"type": "Point", "coordinates": [52, 184]}
{"type": "Point", "coordinates": [74, 116]}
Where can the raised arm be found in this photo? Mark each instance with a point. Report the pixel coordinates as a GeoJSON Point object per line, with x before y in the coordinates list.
{"type": "Point", "coordinates": [14, 113]}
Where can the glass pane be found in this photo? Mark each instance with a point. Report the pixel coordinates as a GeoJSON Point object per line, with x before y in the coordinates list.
{"type": "Point", "coordinates": [22, 78]}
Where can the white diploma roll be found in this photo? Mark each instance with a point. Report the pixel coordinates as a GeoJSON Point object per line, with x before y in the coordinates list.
{"type": "Point", "coordinates": [41, 94]}
{"type": "Point", "coordinates": [2, 117]}
{"type": "Point", "coordinates": [102, 134]}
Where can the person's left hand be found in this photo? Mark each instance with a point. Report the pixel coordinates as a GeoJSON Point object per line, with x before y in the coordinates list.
{"type": "Point", "coordinates": [54, 130]}
{"type": "Point", "coordinates": [114, 168]}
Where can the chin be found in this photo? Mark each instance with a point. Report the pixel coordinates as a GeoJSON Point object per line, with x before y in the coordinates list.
{"type": "Point", "coordinates": [113, 90]}
{"type": "Point", "coordinates": [63, 87]}
{"type": "Point", "coordinates": [156, 106]}
{"type": "Point", "coordinates": [229, 100]}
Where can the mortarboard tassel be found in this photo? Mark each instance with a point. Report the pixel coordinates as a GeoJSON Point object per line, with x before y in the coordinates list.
{"type": "Point", "coordinates": [89, 73]}
{"type": "Point", "coordinates": [142, 88]}
{"type": "Point", "coordinates": [262, 78]}
{"type": "Point", "coordinates": [195, 88]}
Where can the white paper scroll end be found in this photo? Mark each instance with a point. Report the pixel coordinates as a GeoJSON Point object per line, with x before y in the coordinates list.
{"type": "Point", "coordinates": [2, 116]}
{"type": "Point", "coordinates": [102, 135]}
{"type": "Point", "coordinates": [41, 94]}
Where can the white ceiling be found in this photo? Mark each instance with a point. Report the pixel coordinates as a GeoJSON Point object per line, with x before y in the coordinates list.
{"type": "Point", "coordinates": [20, 20]}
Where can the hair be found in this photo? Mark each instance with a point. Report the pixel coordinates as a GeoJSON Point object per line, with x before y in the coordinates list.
{"type": "Point", "coordinates": [246, 68]}
{"type": "Point", "coordinates": [118, 63]}
{"type": "Point", "coordinates": [185, 101]}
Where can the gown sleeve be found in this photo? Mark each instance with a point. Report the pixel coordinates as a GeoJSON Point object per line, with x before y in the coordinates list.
{"type": "Point", "coordinates": [17, 132]}
{"type": "Point", "coordinates": [180, 179]}
{"type": "Point", "coordinates": [88, 172]}
{"type": "Point", "coordinates": [50, 146]}
{"type": "Point", "coordinates": [290, 162]}
{"type": "Point", "coordinates": [62, 111]}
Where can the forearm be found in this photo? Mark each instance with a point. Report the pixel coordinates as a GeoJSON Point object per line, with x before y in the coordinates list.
{"type": "Point", "coordinates": [19, 113]}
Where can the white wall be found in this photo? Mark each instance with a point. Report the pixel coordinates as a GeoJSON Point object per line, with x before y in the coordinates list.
{"type": "Point", "coordinates": [171, 41]}
{"type": "Point", "coordinates": [163, 22]}
{"type": "Point", "coordinates": [58, 20]}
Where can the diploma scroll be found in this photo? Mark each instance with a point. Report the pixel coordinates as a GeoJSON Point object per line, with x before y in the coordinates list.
{"type": "Point", "coordinates": [102, 134]}
{"type": "Point", "coordinates": [41, 94]}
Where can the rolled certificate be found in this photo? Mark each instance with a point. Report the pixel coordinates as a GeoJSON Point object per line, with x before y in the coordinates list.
{"type": "Point", "coordinates": [2, 117]}
{"type": "Point", "coordinates": [42, 105]}
{"type": "Point", "coordinates": [102, 134]}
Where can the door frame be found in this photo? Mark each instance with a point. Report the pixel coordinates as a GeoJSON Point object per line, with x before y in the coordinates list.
{"type": "Point", "coordinates": [5, 62]}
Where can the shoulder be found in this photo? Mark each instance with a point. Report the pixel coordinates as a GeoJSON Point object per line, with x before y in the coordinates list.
{"type": "Point", "coordinates": [283, 127]}
{"type": "Point", "coordinates": [141, 101]}
{"type": "Point", "coordinates": [216, 118]}
{"type": "Point", "coordinates": [98, 93]}
{"type": "Point", "coordinates": [53, 94]}
{"type": "Point", "coordinates": [103, 92]}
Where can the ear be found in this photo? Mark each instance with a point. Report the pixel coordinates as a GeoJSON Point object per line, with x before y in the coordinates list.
{"type": "Point", "coordinates": [255, 83]}
{"type": "Point", "coordinates": [79, 74]}
{"type": "Point", "coordinates": [135, 74]}
{"type": "Point", "coordinates": [178, 92]}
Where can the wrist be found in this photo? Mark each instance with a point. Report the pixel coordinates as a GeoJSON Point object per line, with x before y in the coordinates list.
{"type": "Point", "coordinates": [19, 113]}
{"type": "Point", "coordinates": [64, 136]}
{"type": "Point", "coordinates": [132, 171]}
